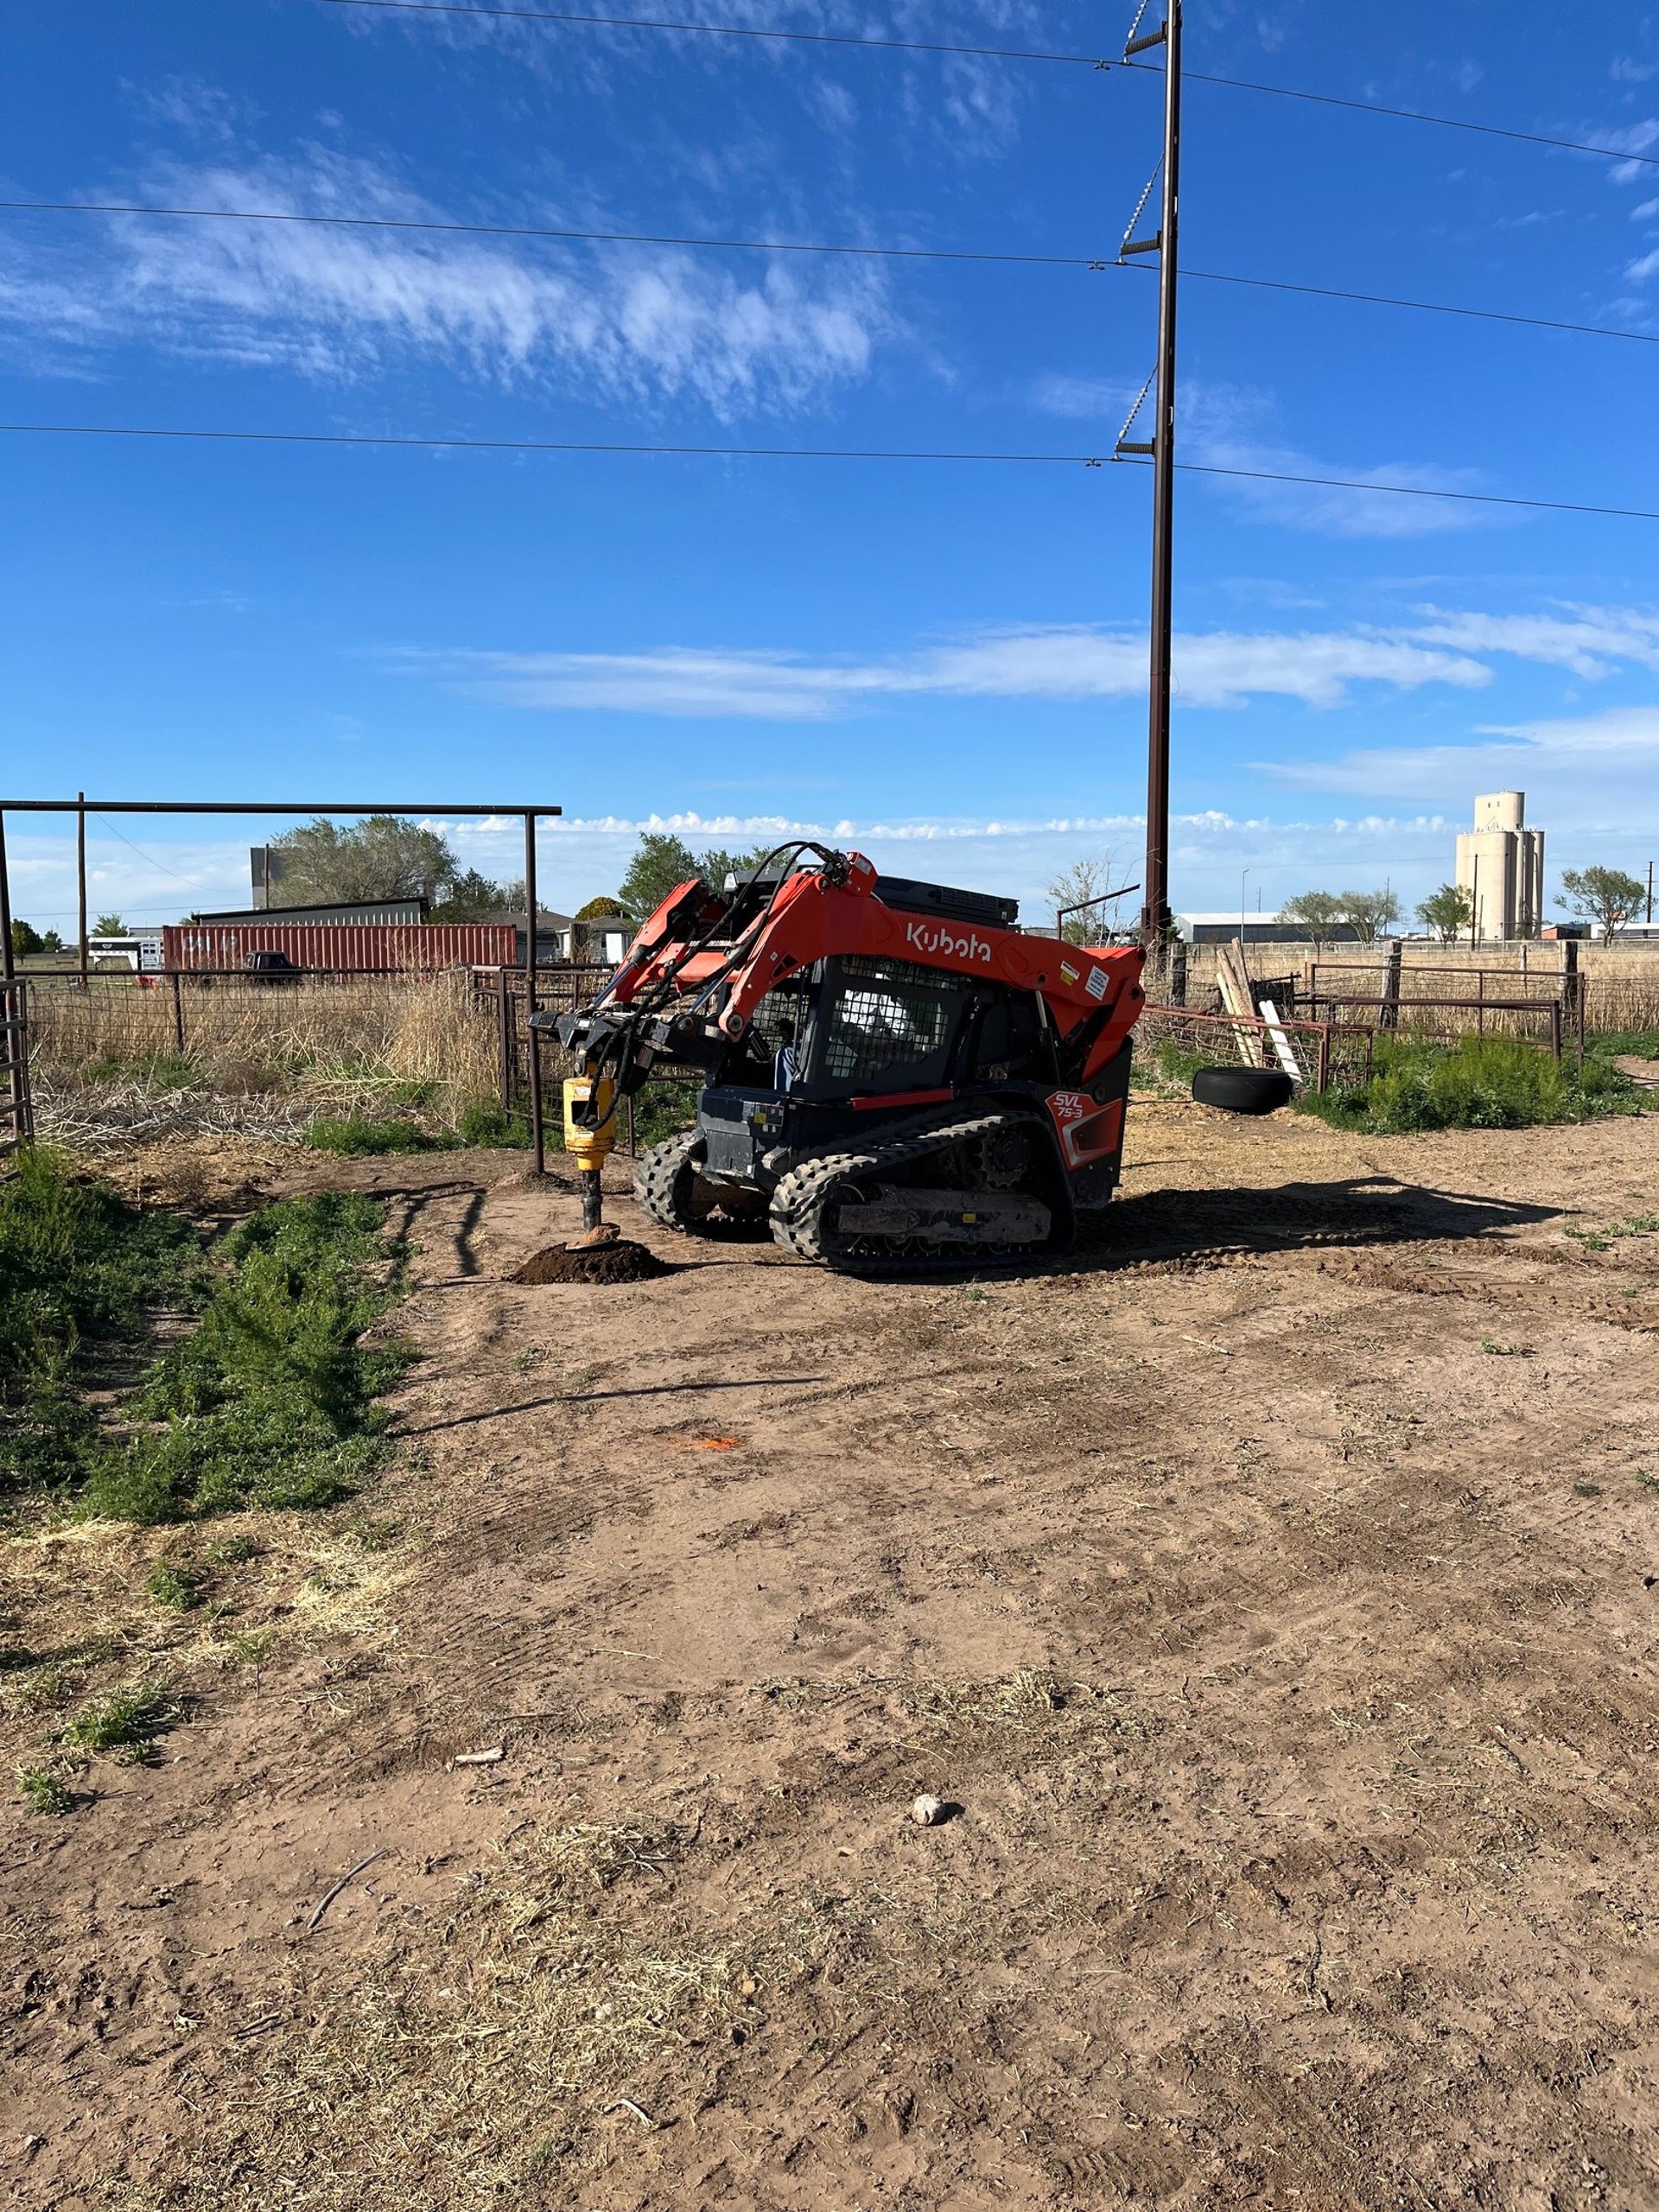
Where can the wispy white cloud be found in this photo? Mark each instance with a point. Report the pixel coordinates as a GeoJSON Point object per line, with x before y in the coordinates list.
{"type": "Point", "coordinates": [1602, 766]}
{"type": "Point", "coordinates": [1213, 669]}
{"type": "Point", "coordinates": [639, 324]}
{"type": "Point", "coordinates": [1591, 641]}
{"type": "Point", "coordinates": [1225, 427]}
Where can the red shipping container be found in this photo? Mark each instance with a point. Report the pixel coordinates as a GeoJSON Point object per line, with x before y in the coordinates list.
{"type": "Point", "coordinates": [354, 947]}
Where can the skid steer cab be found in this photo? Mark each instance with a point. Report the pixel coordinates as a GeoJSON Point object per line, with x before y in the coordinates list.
{"type": "Point", "coordinates": [895, 1077]}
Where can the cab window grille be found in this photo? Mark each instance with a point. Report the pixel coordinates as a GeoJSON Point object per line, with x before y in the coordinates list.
{"type": "Point", "coordinates": [887, 1013]}
{"type": "Point", "coordinates": [791, 1002]}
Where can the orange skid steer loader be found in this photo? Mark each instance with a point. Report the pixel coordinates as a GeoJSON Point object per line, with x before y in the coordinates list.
{"type": "Point", "coordinates": [897, 1079]}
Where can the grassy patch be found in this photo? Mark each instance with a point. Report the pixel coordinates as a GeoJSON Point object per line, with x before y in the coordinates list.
{"type": "Point", "coordinates": [358, 1136]}
{"type": "Point", "coordinates": [271, 1401]}
{"type": "Point", "coordinates": [662, 1110]}
{"type": "Point", "coordinates": [1603, 1239]}
{"type": "Point", "coordinates": [1166, 1061]}
{"type": "Point", "coordinates": [1626, 1044]}
{"type": "Point", "coordinates": [44, 1790]}
{"type": "Point", "coordinates": [124, 1720]}
{"type": "Point", "coordinates": [77, 1265]}
{"type": "Point", "coordinates": [179, 1588]}
{"type": "Point", "coordinates": [486, 1124]}
{"type": "Point", "coordinates": [1480, 1082]}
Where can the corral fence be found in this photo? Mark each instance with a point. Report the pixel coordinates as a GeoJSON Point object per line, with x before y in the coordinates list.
{"type": "Point", "coordinates": [17, 1108]}
{"type": "Point", "coordinates": [1447, 1000]}
{"type": "Point", "coordinates": [1315, 1054]}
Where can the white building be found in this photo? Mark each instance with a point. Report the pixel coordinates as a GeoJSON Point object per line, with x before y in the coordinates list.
{"type": "Point", "coordinates": [1501, 867]}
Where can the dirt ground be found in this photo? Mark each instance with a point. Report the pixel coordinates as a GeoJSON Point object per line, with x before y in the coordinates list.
{"type": "Point", "coordinates": [1269, 1595]}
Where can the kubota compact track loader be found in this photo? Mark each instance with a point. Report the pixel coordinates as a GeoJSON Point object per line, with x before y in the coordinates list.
{"type": "Point", "coordinates": [898, 1079]}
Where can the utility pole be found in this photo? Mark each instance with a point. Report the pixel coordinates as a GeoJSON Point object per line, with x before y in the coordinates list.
{"type": "Point", "coordinates": [1155, 917]}
{"type": "Point", "coordinates": [80, 880]}
{"type": "Point", "coordinates": [1649, 891]}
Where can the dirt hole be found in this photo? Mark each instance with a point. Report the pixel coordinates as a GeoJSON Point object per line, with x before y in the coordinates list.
{"type": "Point", "coordinates": [623, 1261]}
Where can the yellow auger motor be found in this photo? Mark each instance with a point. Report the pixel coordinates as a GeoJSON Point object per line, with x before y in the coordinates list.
{"type": "Point", "coordinates": [589, 1138]}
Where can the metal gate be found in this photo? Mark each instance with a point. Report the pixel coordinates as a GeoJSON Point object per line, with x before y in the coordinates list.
{"type": "Point", "coordinates": [16, 1111]}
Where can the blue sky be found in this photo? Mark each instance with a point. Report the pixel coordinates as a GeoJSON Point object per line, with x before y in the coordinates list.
{"type": "Point", "coordinates": [943, 663]}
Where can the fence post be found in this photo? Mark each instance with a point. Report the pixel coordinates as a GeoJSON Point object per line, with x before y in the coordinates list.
{"type": "Point", "coordinates": [1556, 1028]}
{"type": "Point", "coordinates": [1571, 993]}
{"type": "Point", "coordinates": [1388, 1015]}
{"type": "Point", "coordinates": [1178, 972]}
{"type": "Point", "coordinates": [178, 1013]}
{"type": "Point", "coordinates": [1322, 1070]}
{"type": "Point", "coordinates": [504, 1038]}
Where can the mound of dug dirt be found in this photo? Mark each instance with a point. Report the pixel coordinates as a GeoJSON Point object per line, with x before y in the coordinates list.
{"type": "Point", "coordinates": [621, 1261]}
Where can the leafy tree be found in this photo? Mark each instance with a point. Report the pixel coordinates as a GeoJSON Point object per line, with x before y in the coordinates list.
{"type": "Point", "coordinates": [1448, 912]}
{"type": "Point", "coordinates": [1316, 912]}
{"type": "Point", "coordinates": [1606, 895]}
{"type": "Point", "coordinates": [474, 897]}
{"type": "Point", "coordinates": [25, 939]}
{"type": "Point", "coordinates": [109, 925]}
{"type": "Point", "coordinates": [603, 909]}
{"type": "Point", "coordinates": [50, 941]}
{"type": "Point", "coordinates": [1086, 880]}
{"type": "Point", "coordinates": [1371, 913]}
{"type": "Point", "coordinates": [663, 861]}
{"type": "Point", "coordinates": [384, 856]}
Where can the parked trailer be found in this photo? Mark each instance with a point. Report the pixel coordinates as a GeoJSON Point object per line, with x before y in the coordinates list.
{"type": "Point", "coordinates": [222, 947]}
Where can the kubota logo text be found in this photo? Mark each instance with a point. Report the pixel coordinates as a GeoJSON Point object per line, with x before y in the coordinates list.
{"type": "Point", "coordinates": [928, 936]}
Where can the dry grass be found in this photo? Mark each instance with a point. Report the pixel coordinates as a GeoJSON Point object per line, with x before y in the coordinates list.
{"type": "Point", "coordinates": [257, 1061]}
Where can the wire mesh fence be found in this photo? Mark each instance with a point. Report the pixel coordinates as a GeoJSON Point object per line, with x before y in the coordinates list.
{"type": "Point", "coordinates": [17, 1108]}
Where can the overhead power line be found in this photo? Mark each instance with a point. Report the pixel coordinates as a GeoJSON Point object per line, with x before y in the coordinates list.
{"type": "Point", "coordinates": [1094, 264]}
{"type": "Point", "coordinates": [790, 453]}
{"type": "Point", "coordinates": [537, 231]}
{"type": "Point", "coordinates": [717, 30]}
{"type": "Point", "coordinates": [993, 54]}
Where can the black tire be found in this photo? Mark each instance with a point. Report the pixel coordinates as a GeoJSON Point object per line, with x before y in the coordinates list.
{"type": "Point", "coordinates": [669, 1187]}
{"type": "Point", "coordinates": [1242, 1090]}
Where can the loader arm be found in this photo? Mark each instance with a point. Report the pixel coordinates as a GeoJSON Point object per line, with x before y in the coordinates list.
{"type": "Point", "coordinates": [820, 914]}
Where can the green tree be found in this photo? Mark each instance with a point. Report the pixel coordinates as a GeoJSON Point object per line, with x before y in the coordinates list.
{"type": "Point", "coordinates": [716, 864]}
{"type": "Point", "coordinates": [109, 925]}
{"type": "Point", "coordinates": [1318, 913]}
{"type": "Point", "coordinates": [1371, 913]}
{"type": "Point", "coordinates": [603, 909]}
{"type": "Point", "coordinates": [1448, 912]}
{"type": "Point", "coordinates": [384, 856]}
{"type": "Point", "coordinates": [1606, 895]}
{"type": "Point", "coordinates": [1081, 884]}
{"type": "Point", "coordinates": [662, 861]}
{"type": "Point", "coordinates": [473, 898]}
{"type": "Point", "coordinates": [25, 939]}
{"type": "Point", "coordinates": [50, 941]}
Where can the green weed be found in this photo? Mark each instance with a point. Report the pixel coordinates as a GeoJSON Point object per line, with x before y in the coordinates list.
{"type": "Point", "coordinates": [77, 1265]}
{"type": "Point", "coordinates": [45, 1791]}
{"type": "Point", "coordinates": [168, 1071]}
{"type": "Point", "coordinates": [1603, 1239]}
{"type": "Point", "coordinates": [124, 1720]}
{"type": "Point", "coordinates": [271, 1401]}
{"type": "Point", "coordinates": [1480, 1082]}
{"type": "Point", "coordinates": [179, 1587]}
{"type": "Point", "coordinates": [1626, 1044]}
{"type": "Point", "coordinates": [486, 1124]}
{"type": "Point", "coordinates": [357, 1137]}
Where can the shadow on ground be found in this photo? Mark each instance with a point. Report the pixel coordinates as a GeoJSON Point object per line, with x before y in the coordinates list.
{"type": "Point", "coordinates": [1289, 1218]}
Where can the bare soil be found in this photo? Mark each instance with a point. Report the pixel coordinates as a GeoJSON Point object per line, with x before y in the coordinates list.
{"type": "Point", "coordinates": [1270, 1592]}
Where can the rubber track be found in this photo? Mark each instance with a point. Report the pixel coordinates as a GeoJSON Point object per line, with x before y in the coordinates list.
{"type": "Point", "coordinates": [797, 1203]}
{"type": "Point", "coordinates": [654, 1177]}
